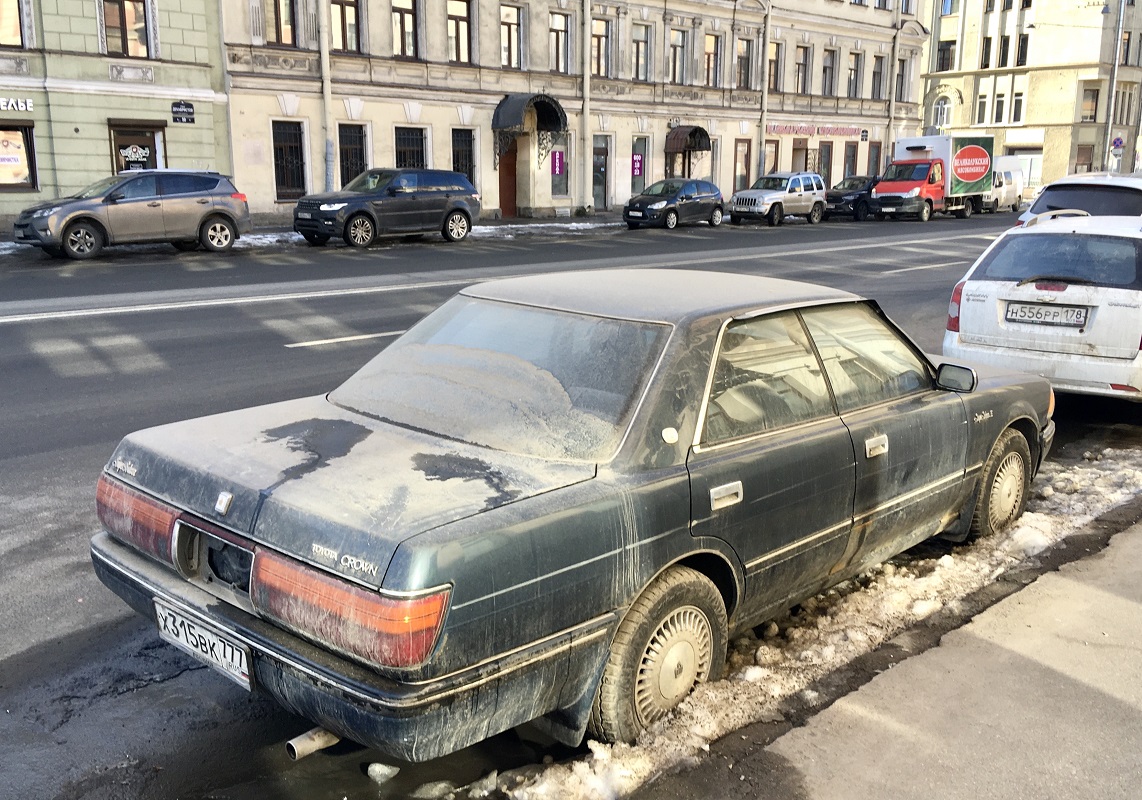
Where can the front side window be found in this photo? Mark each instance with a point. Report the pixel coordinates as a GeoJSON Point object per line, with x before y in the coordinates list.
{"type": "Point", "coordinates": [343, 21]}
{"type": "Point", "coordinates": [744, 64]}
{"type": "Point", "coordinates": [773, 75]}
{"type": "Point", "coordinates": [464, 153]}
{"type": "Point", "coordinates": [460, 31]}
{"type": "Point", "coordinates": [405, 43]}
{"type": "Point", "coordinates": [867, 361]}
{"type": "Point", "coordinates": [878, 77]}
{"type": "Point", "coordinates": [1000, 107]}
{"type": "Point", "coordinates": [17, 156]}
{"type": "Point", "coordinates": [945, 56]}
{"type": "Point", "coordinates": [985, 53]}
{"type": "Point", "coordinates": [766, 376]}
{"type": "Point", "coordinates": [942, 113]}
{"type": "Point", "coordinates": [855, 63]}
{"type": "Point", "coordinates": [1090, 105]}
{"type": "Point", "coordinates": [557, 42]}
{"type": "Point", "coordinates": [278, 15]}
{"type": "Point", "coordinates": [511, 53]}
{"type": "Point", "coordinates": [640, 53]}
{"type": "Point", "coordinates": [801, 70]}
{"type": "Point", "coordinates": [600, 48]}
{"type": "Point", "coordinates": [125, 24]}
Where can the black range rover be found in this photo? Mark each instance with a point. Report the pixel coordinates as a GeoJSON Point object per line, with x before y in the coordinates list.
{"type": "Point", "coordinates": [390, 201]}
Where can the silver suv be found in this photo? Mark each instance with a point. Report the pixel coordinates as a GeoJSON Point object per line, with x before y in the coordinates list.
{"type": "Point", "coordinates": [188, 208]}
{"type": "Point", "coordinates": [775, 196]}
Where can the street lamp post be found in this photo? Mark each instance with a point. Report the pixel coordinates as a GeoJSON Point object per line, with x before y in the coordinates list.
{"type": "Point", "coordinates": [1110, 100]}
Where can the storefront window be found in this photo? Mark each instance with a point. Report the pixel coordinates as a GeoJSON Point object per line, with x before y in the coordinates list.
{"type": "Point", "coordinates": [136, 146]}
{"type": "Point", "coordinates": [639, 149]}
{"type": "Point", "coordinates": [17, 156]}
{"type": "Point", "coordinates": [559, 171]}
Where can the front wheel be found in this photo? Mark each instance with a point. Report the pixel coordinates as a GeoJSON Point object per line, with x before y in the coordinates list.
{"type": "Point", "coordinates": [457, 226]}
{"type": "Point", "coordinates": [860, 212]}
{"type": "Point", "coordinates": [776, 215]}
{"type": "Point", "coordinates": [670, 221]}
{"type": "Point", "coordinates": [1004, 485]}
{"type": "Point", "coordinates": [360, 231]}
{"type": "Point", "coordinates": [217, 234]}
{"type": "Point", "coordinates": [715, 217]}
{"type": "Point", "coordinates": [672, 638]}
{"type": "Point", "coordinates": [816, 213]}
{"type": "Point", "coordinates": [925, 212]}
{"type": "Point", "coordinates": [82, 240]}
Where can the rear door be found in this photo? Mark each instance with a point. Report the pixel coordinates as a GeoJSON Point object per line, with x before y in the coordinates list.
{"type": "Point", "coordinates": [187, 201]}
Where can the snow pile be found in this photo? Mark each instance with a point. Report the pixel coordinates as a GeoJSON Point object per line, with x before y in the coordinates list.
{"type": "Point", "coordinates": [838, 626]}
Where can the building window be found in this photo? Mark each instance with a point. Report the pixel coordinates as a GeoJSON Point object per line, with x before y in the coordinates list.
{"type": "Point", "coordinates": [744, 64]}
{"type": "Point", "coordinates": [985, 53]}
{"type": "Point", "coordinates": [949, 7]}
{"type": "Point", "coordinates": [713, 60]}
{"type": "Point", "coordinates": [639, 150]}
{"type": "Point", "coordinates": [351, 139]}
{"type": "Point", "coordinates": [1123, 105]}
{"type": "Point", "coordinates": [600, 48]}
{"type": "Point", "coordinates": [558, 43]}
{"type": "Point", "coordinates": [289, 160]}
{"type": "Point", "coordinates": [1027, 3]}
{"type": "Point", "coordinates": [1004, 50]}
{"type": "Point", "coordinates": [942, 113]}
{"type": "Point", "coordinates": [988, 6]}
{"type": "Point", "coordinates": [742, 159]}
{"type": "Point", "coordinates": [1084, 158]}
{"type": "Point", "coordinates": [279, 21]}
{"type": "Point", "coordinates": [677, 63]}
{"type": "Point", "coordinates": [878, 77]}
{"type": "Point", "coordinates": [511, 54]}
{"type": "Point", "coordinates": [19, 165]}
{"type": "Point", "coordinates": [1000, 107]}
{"type": "Point", "coordinates": [460, 31]}
{"type": "Point", "coordinates": [11, 32]}
{"type": "Point", "coordinates": [829, 73]}
{"type": "Point", "coordinates": [1017, 107]}
{"type": "Point", "coordinates": [640, 53]}
{"type": "Point", "coordinates": [882, 5]}
{"type": "Point", "coordinates": [125, 24]}
{"type": "Point", "coordinates": [1007, 5]}
{"type": "Point", "coordinates": [945, 56]}
{"type": "Point", "coordinates": [1090, 105]}
{"type": "Point", "coordinates": [874, 158]}
{"type": "Point", "coordinates": [901, 80]}
{"type": "Point", "coordinates": [343, 20]}
{"type": "Point", "coordinates": [464, 153]}
{"type": "Point", "coordinates": [773, 75]}
{"type": "Point", "coordinates": [560, 166]}
{"type": "Point", "coordinates": [850, 159]}
{"type": "Point", "coordinates": [410, 148]}
{"type": "Point", "coordinates": [981, 110]}
{"type": "Point", "coordinates": [855, 63]}
{"type": "Point", "coordinates": [404, 29]}
{"type": "Point", "coordinates": [1021, 49]}
{"type": "Point", "coordinates": [825, 162]}
{"type": "Point", "coordinates": [1125, 48]}
{"type": "Point", "coordinates": [801, 70]}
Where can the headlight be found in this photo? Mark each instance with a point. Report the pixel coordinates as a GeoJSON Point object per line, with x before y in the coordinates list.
{"type": "Point", "coordinates": [913, 192]}
{"type": "Point", "coordinates": [332, 206]}
{"type": "Point", "coordinates": [658, 205]}
{"type": "Point", "coordinates": [849, 197]}
{"type": "Point", "coordinates": [45, 212]}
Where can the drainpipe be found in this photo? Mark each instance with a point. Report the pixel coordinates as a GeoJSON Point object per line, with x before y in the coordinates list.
{"type": "Point", "coordinates": [763, 58]}
{"type": "Point", "coordinates": [1110, 98]}
{"type": "Point", "coordinates": [588, 144]}
{"type": "Point", "coordinates": [895, 65]}
{"type": "Point", "coordinates": [326, 90]}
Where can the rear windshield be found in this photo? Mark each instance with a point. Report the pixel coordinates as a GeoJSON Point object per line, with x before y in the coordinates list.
{"type": "Point", "coordinates": [524, 380]}
{"type": "Point", "coordinates": [1098, 201]}
{"type": "Point", "coordinates": [906, 172]}
{"type": "Point", "coordinates": [1111, 261]}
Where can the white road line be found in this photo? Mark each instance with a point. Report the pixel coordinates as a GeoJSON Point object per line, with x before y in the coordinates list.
{"type": "Point", "coordinates": [925, 266]}
{"type": "Point", "coordinates": [340, 339]}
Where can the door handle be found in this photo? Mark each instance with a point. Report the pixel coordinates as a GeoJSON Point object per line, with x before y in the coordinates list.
{"type": "Point", "coordinates": [155, 204]}
{"type": "Point", "coordinates": [876, 446]}
{"type": "Point", "coordinates": [203, 201]}
{"type": "Point", "coordinates": [726, 495]}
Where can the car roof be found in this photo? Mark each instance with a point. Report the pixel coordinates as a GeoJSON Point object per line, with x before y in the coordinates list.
{"type": "Point", "coordinates": [1133, 180]}
{"type": "Point", "coordinates": [1106, 226]}
{"type": "Point", "coordinates": [124, 173]}
{"type": "Point", "coordinates": [785, 174]}
{"type": "Point", "coordinates": [658, 295]}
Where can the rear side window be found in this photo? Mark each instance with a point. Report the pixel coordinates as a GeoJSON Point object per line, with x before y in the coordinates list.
{"type": "Point", "coordinates": [187, 184]}
{"type": "Point", "coordinates": [1111, 261]}
{"type": "Point", "coordinates": [819, 183]}
{"type": "Point", "coordinates": [1098, 201]}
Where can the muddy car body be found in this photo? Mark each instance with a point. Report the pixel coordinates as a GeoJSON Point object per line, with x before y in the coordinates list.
{"type": "Point", "coordinates": [482, 528]}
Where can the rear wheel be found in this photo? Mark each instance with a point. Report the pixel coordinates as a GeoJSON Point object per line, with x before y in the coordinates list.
{"type": "Point", "coordinates": [672, 638]}
{"type": "Point", "coordinates": [860, 211]}
{"type": "Point", "coordinates": [360, 231]}
{"type": "Point", "coordinates": [776, 215]}
{"type": "Point", "coordinates": [457, 226]}
{"type": "Point", "coordinates": [82, 240]}
{"type": "Point", "coordinates": [716, 217]}
{"type": "Point", "coordinates": [1004, 485]}
{"type": "Point", "coordinates": [217, 234]}
{"type": "Point", "coordinates": [816, 213]}
{"type": "Point", "coordinates": [966, 211]}
{"type": "Point", "coordinates": [315, 239]}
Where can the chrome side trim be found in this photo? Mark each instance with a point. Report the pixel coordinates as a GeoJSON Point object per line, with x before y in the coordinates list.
{"type": "Point", "coordinates": [803, 542]}
{"type": "Point", "coordinates": [905, 499]}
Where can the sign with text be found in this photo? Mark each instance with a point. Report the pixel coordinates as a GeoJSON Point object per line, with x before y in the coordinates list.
{"type": "Point", "coordinates": [636, 165]}
{"type": "Point", "coordinates": [558, 162]}
{"type": "Point", "coordinates": [182, 111]}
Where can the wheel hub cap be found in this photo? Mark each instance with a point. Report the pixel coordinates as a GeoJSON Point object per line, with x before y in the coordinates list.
{"type": "Point", "coordinates": [1007, 490]}
{"type": "Point", "coordinates": [677, 657]}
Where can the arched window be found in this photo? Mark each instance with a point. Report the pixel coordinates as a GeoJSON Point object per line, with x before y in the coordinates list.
{"type": "Point", "coordinates": [942, 113]}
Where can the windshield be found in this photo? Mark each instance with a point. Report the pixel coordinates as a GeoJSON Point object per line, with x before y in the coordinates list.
{"type": "Point", "coordinates": [1111, 261]}
{"type": "Point", "coordinates": [530, 381]}
{"type": "Point", "coordinates": [770, 182]}
{"type": "Point", "coordinates": [1098, 201]}
{"type": "Point", "coordinates": [852, 183]}
{"type": "Point", "coordinates": [370, 181]}
{"type": "Point", "coordinates": [906, 172]}
{"type": "Point", "coordinates": [100, 187]}
{"type": "Point", "coordinates": [663, 189]}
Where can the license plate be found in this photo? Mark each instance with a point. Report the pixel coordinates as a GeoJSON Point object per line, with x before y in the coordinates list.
{"type": "Point", "coordinates": [832, 205]}
{"type": "Point", "coordinates": [634, 213]}
{"type": "Point", "coordinates": [304, 215]}
{"type": "Point", "coordinates": [206, 644]}
{"type": "Point", "coordinates": [1069, 316]}
{"type": "Point", "coordinates": [887, 210]}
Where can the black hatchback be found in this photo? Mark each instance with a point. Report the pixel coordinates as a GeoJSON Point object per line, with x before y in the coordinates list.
{"type": "Point", "coordinates": [850, 197]}
{"type": "Point", "coordinates": [379, 202]}
{"type": "Point", "coordinates": [675, 200]}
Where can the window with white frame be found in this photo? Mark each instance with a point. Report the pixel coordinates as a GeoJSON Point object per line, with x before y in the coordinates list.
{"type": "Point", "coordinates": [405, 43]}
{"type": "Point", "coordinates": [676, 73]}
{"type": "Point", "coordinates": [558, 42]}
{"type": "Point", "coordinates": [511, 46]}
{"type": "Point", "coordinates": [640, 52]}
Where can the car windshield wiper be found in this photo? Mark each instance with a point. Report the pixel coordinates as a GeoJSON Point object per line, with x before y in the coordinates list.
{"type": "Point", "coordinates": [1056, 278]}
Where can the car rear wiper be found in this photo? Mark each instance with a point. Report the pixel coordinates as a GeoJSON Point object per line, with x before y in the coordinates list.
{"type": "Point", "coordinates": [1056, 278]}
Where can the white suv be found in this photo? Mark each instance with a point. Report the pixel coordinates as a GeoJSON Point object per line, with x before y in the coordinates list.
{"type": "Point", "coordinates": [1061, 298]}
{"type": "Point", "coordinates": [1099, 194]}
{"type": "Point", "coordinates": [775, 196]}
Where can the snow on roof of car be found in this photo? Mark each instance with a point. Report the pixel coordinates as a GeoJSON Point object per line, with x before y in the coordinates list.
{"type": "Point", "coordinates": [1113, 226]}
{"type": "Point", "coordinates": [1133, 179]}
{"type": "Point", "coordinates": [664, 295]}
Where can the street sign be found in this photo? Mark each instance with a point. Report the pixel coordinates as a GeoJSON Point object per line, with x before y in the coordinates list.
{"type": "Point", "coordinates": [182, 111]}
{"type": "Point", "coordinates": [1117, 143]}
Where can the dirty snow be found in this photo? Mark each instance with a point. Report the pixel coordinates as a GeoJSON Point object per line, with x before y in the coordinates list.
{"type": "Point", "coordinates": [785, 657]}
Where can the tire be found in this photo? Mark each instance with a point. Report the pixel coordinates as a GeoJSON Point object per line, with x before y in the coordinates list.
{"type": "Point", "coordinates": [1015, 206]}
{"type": "Point", "coordinates": [217, 234]}
{"type": "Point", "coordinates": [994, 207]}
{"type": "Point", "coordinates": [315, 239]}
{"type": "Point", "coordinates": [715, 217]}
{"type": "Point", "coordinates": [967, 210]}
{"type": "Point", "coordinates": [735, 219]}
{"type": "Point", "coordinates": [360, 231]}
{"type": "Point", "coordinates": [82, 240]}
{"type": "Point", "coordinates": [881, 216]}
{"type": "Point", "coordinates": [457, 226]}
{"type": "Point", "coordinates": [826, 217]}
{"type": "Point", "coordinates": [670, 221]}
{"type": "Point", "coordinates": [185, 247]}
{"type": "Point", "coordinates": [776, 215]}
{"type": "Point", "coordinates": [1004, 485]}
{"type": "Point", "coordinates": [672, 638]}
{"type": "Point", "coordinates": [860, 211]}
{"type": "Point", "coordinates": [632, 226]}
{"type": "Point", "coordinates": [815, 214]}
{"type": "Point", "coordinates": [925, 213]}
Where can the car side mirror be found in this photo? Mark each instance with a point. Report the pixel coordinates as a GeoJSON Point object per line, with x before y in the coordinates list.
{"type": "Point", "coordinates": [956, 378]}
{"type": "Point", "coordinates": [114, 197]}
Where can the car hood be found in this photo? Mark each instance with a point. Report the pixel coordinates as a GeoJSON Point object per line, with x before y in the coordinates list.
{"type": "Point", "coordinates": [332, 197]}
{"type": "Point", "coordinates": [322, 483]}
{"type": "Point", "coordinates": [768, 195]}
{"type": "Point", "coordinates": [835, 195]}
{"type": "Point", "coordinates": [644, 200]}
{"type": "Point", "coordinates": [58, 202]}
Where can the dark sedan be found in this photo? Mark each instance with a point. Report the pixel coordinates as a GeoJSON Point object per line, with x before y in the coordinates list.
{"type": "Point", "coordinates": [675, 201]}
{"type": "Point", "coordinates": [850, 197]}
{"type": "Point", "coordinates": [556, 498]}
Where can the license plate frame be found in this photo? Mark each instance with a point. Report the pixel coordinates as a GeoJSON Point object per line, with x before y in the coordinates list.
{"type": "Point", "coordinates": [1047, 314]}
{"type": "Point", "coordinates": [304, 215]}
{"type": "Point", "coordinates": [888, 210]}
{"type": "Point", "coordinates": [204, 642]}
{"type": "Point", "coordinates": [634, 213]}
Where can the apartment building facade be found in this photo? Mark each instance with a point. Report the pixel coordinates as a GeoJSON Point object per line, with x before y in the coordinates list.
{"type": "Point", "coordinates": [1055, 81]}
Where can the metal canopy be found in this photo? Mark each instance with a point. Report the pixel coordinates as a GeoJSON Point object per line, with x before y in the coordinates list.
{"type": "Point", "coordinates": [508, 122]}
{"type": "Point", "coordinates": [684, 138]}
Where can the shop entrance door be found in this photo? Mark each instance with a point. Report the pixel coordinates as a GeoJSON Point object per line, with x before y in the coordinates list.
{"type": "Point", "coordinates": [508, 181]}
{"type": "Point", "coordinates": [136, 148]}
{"type": "Point", "coordinates": [599, 172]}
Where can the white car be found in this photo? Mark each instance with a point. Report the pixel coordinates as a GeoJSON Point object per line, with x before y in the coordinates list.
{"type": "Point", "coordinates": [1097, 193]}
{"type": "Point", "coordinates": [1061, 298]}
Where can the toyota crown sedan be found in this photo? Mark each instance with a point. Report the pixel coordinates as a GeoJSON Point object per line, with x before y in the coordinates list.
{"type": "Point", "coordinates": [555, 499]}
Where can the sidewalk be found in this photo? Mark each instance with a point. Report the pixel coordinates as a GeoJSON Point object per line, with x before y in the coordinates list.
{"type": "Point", "coordinates": [1039, 696]}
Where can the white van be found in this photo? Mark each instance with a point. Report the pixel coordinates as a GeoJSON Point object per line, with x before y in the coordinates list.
{"type": "Point", "coordinates": [1007, 185]}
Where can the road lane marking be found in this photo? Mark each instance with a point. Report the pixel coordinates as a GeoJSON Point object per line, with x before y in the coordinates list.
{"type": "Point", "coordinates": [340, 339]}
{"type": "Point", "coordinates": [924, 266]}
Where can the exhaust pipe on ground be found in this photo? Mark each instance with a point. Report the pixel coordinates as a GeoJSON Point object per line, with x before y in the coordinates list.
{"type": "Point", "coordinates": [310, 742]}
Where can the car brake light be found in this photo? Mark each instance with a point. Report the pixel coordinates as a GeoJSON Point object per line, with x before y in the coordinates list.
{"type": "Point", "coordinates": [377, 628]}
{"type": "Point", "coordinates": [238, 196]}
{"type": "Point", "coordinates": [135, 518]}
{"type": "Point", "coordinates": [1049, 286]}
{"type": "Point", "coordinates": [954, 308]}
{"type": "Point", "coordinates": [1122, 387]}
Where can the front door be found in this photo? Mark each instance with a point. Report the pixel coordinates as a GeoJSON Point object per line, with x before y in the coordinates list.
{"type": "Point", "coordinates": [136, 215]}
{"type": "Point", "coordinates": [508, 181]}
{"type": "Point", "coordinates": [600, 168]}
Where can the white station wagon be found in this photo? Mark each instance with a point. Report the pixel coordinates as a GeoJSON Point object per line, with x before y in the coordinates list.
{"type": "Point", "coordinates": [1061, 298]}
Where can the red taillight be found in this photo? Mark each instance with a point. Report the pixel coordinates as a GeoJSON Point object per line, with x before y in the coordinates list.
{"type": "Point", "coordinates": [954, 308]}
{"type": "Point", "coordinates": [135, 518]}
{"type": "Point", "coordinates": [379, 629]}
{"type": "Point", "coordinates": [1050, 286]}
{"type": "Point", "coordinates": [238, 196]}
{"type": "Point", "coordinates": [1123, 387]}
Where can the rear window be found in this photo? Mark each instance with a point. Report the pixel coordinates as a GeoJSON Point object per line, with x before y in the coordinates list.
{"type": "Point", "coordinates": [1111, 261]}
{"type": "Point", "coordinates": [188, 184]}
{"type": "Point", "coordinates": [1098, 201]}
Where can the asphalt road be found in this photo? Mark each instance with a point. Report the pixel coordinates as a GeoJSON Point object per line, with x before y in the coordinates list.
{"type": "Point", "coordinates": [94, 706]}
